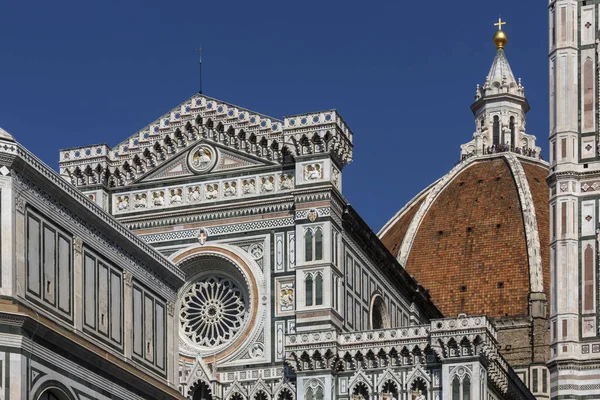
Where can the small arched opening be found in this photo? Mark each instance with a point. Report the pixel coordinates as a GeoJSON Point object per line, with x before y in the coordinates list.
{"type": "Point", "coordinates": [53, 394]}
{"type": "Point", "coordinates": [379, 315]}
{"type": "Point", "coordinates": [202, 392]}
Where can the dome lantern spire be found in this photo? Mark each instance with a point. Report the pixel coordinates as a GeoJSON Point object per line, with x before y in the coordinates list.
{"type": "Point", "coordinates": [499, 109]}
{"type": "Point", "coordinates": [500, 38]}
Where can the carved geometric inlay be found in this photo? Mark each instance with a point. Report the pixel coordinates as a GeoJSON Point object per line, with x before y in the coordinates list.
{"type": "Point", "coordinates": [212, 311]}
{"type": "Point", "coordinates": [588, 218]}
{"type": "Point", "coordinates": [585, 187]}
{"type": "Point", "coordinates": [588, 24]}
{"type": "Point", "coordinates": [588, 147]}
{"type": "Point", "coordinates": [595, 186]}
{"type": "Point", "coordinates": [202, 158]}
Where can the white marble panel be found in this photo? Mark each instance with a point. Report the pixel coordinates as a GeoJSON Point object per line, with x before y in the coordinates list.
{"type": "Point", "coordinates": [588, 218]}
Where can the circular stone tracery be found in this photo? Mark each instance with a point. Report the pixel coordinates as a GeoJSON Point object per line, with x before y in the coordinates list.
{"type": "Point", "coordinates": [212, 311]}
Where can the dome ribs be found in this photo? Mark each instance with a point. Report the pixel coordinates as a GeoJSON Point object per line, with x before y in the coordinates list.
{"type": "Point", "coordinates": [483, 243]}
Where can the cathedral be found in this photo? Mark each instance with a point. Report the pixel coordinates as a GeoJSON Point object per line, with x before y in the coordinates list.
{"type": "Point", "coordinates": [212, 255]}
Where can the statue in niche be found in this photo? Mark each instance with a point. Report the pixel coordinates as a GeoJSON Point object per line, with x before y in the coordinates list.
{"type": "Point", "coordinates": [335, 176]}
{"type": "Point", "coordinates": [202, 158]}
{"type": "Point", "coordinates": [194, 194]}
{"type": "Point", "coordinates": [287, 297]}
{"type": "Point", "coordinates": [268, 184]}
{"type": "Point", "coordinates": [230, 189]}
{"type": "Point", "coordinates": [419, 395]}
{"type": "Point", "coordinates": [257, 350]}
{"type": "Point", "coordinates": [176, 196]}
{"type": "Point", "coordinates": [212, 191]}
{"type": "Point", "coordinates": [286, 182]}
{"type": "Point", "coordinates": [313, 172]}
{"type": "Point", "coordinates": [122, 203]}
{"type": "Point", "coordinates": [159, 198]}
{"type": "Point", "coordinates": [248, 186]}
{"type": "Point", "coordinates": [141, 201]}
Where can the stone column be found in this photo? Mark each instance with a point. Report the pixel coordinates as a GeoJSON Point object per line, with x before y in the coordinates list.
{"type": "Point", "coordinates": [78, 283]}
{"type": "Point", "coordinates": [172, 346]}
{"type": "Point", "coordinates": [127, 314]}
{"type": "Point", "coordinates": [19, 253]}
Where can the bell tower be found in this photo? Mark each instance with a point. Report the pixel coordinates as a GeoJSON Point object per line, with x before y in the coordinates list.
{"type": "Point", "coordinates": [574, 183]}
{"type": "Point", "coordinates": [499, 109]}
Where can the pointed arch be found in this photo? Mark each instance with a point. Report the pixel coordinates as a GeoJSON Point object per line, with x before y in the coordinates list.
{"type": "Point", "coordinates": [359, 379]}
{"type": "Point", "coordinates": [234, 389]}
{"type": "Point", "coordinates": [308, 289]}
{"type": "Point", "coordinates": [388, 377]}
{"type": "Point", "coordinates": [318, 289]}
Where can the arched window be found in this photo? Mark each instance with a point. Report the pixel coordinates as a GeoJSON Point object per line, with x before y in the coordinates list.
{"type": "Point", "coordinates": [314, 289]}
{"type": "Point", "coordinates": [512, 132]}
{"type": "Point", "coordinates": [319, 244]}
{"type": "Point", "coordinates": [319, 290]}
{"type": "Point", "coordinates": [313, 244]}
{"type": "Point", "coordinates": [466, 388]}
{"type": "Point", "coordinates": [314, 390]}
{"type": "Point", "coordinates": [308, 245]}
{"type": "Point", "coordinates": [461, 387]}
{"type": "Point", "coordinates": [456, 388]}
{"type": "Point", "coordinates": [496, 130]}
{"type": "Point", "coordinates": [309, 290]}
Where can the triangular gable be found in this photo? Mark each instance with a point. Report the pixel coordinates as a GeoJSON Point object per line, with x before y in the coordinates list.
{"type": "Point", "coordinates": [359, 377]}
{"type": "Point", "coordinates": [199, 371]}
{"type": "Point", "coordinates": [388, 375]}
{"type": "Point", "coordinates": [234, 388]}
{"type": "Point", "coordinates": [178, 167]}
{"type": "Point", "coordinates": [250, 137]}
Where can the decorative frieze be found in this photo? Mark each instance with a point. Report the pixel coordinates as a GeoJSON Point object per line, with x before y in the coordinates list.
{"type": "Point", "coordinates": [226, 189]}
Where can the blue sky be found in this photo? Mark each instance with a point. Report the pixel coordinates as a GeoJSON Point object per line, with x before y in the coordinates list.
{"type": "Point", "coordinates": [402, 74]}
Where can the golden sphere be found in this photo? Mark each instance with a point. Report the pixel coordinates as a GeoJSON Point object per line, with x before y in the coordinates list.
{"type": "Point", "coordinates": [500, 39]}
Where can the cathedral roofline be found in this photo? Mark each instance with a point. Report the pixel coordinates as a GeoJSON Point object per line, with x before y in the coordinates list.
{"type": "Point", "coordinates": [204, 119]}
{"type": "Point", "coordinates": [31, 168]}
{"type": "Point", "coordinates": [430, 195]}
{"type": "Point", "coordinates": [4, 135]}
{"type": "Point", "coordinates": [373, 246]}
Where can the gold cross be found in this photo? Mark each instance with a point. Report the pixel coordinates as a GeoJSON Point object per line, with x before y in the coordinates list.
{"type": "Point", "coordinates": [499, 23]}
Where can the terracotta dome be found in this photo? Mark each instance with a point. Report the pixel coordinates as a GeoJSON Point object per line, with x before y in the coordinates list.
{"type": "Point", "coordinates": [478, 238]}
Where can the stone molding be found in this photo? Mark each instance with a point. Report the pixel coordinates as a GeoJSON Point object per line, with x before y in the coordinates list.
{"type": "Point", "coordinates": [534, 251]}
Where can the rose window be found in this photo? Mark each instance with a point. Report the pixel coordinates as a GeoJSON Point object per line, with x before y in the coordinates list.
{"type": "Point", "coordinates": [212, 311]}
